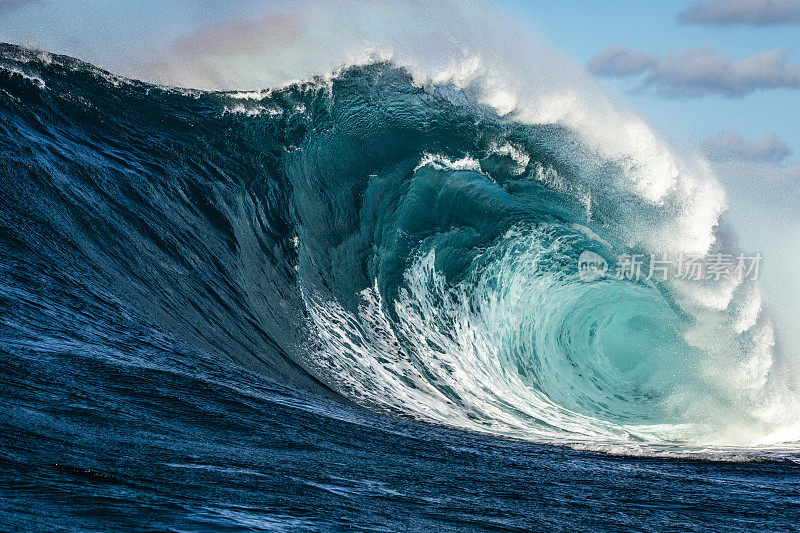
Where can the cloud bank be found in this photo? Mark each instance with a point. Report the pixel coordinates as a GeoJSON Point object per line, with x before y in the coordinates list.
{"type": "Point", "coordinates": [731, 146]}
{"type": "Point", "coordinates": [243, 36]}
{"type": "Point", "coordinates": [309, 37]}
{"type": "Point", "coordinates": [620, 61]}
{"type": "Point", "coordinates": [700, 72]}
{"type": "Point", "coordinates": [751, 12]}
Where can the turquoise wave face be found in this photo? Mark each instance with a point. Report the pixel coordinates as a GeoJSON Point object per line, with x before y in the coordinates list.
{"type": "Point", "coordinates": [438, 248]}
{"type": "Point", "coordinates": [400, 244]}
{"type": "Point", "coordinates": [478, 317]}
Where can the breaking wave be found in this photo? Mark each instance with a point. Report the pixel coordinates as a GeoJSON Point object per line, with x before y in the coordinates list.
{"type": "Point", "coordinates": [402, 240]}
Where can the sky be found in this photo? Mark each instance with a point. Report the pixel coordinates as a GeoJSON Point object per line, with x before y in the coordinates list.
{"type": "Point", "coordinates": [584, 29]}
{"type": "Point", "coordinates": [720, 76]}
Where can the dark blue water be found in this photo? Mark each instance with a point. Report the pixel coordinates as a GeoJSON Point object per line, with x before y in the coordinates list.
{"type": "Point", "coordinates": [230, 314]}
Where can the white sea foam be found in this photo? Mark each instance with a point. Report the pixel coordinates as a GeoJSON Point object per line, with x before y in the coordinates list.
{"type": "Point", "coordinates": [30, 77]}
{"type": "Point", "coordinates": [519, 156]}
{"type": "Point", "coordinates": [252, 111]}
{"type": "Point", "coordinates": [440, 161]}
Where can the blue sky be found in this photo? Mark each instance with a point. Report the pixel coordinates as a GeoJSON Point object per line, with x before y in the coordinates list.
{"type": "Point", "coordinates": [584, 28]}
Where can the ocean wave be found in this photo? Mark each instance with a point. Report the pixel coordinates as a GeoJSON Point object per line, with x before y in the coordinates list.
{"type": "Point", "coordinates": [410, 244]}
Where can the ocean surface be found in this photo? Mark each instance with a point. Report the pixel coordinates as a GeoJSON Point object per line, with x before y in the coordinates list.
{"type": "Point", "coordinates": [354, 304]}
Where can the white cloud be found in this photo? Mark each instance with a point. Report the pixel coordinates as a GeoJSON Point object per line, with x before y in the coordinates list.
{"type": "Point", "coordinates": [243, 36]}
{"type": "Point", "coordinates": [700, 72]}
{"type": "Point", "coordinates": [295, 41]}
{"type": "Point", "coordinates": [752, 12]}
{"type": "Point", "coordinates": [731, 146]}
{"type": "Point", "coordinates": [620, 61]}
